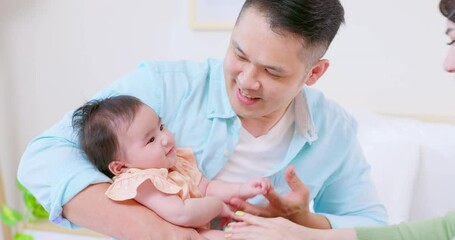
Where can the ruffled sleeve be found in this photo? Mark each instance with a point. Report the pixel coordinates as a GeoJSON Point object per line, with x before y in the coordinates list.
{"type": "Point", "coordinates": [187, 166]}
{"type": "Point", "coordinates": [125, 185]}
{"type": "Point", "coordinates": [183, 179]}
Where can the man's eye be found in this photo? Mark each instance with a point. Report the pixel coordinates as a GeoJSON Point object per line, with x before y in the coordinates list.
{"type": "Point", "coordinates": [152, 139]}
{"type": "Point", "coordinates": [161, 127]}
{"type": "Point", "coordinates": [451, 42]}
{"type": "Point", "coordinates": [272, 74]}
{"type": "Point", "coordinates": [240, 57]}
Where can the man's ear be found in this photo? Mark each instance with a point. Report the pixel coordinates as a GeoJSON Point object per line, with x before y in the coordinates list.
{"type": "Point", "coordinates": [317, 71]}
{"type": "Point", "coordinates": [117, 167]}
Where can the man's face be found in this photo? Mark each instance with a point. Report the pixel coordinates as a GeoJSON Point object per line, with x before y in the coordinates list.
{"type": "Point", "coordinates": [263, 70]}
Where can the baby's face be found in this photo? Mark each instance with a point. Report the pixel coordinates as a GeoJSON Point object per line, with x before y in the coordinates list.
{"type": "Point", "coordinates": [146, 143]}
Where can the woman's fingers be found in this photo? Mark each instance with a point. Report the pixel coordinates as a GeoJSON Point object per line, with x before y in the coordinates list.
{"type": "Point", "coordinates": [258, 221]}
{"type": "Point", "coordinates": [240, 231]}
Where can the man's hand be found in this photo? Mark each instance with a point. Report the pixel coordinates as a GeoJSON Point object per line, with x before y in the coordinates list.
{"type": "Point", "coordinates": [294, 205]}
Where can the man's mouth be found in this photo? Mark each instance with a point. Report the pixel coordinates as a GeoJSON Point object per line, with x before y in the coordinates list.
{"type": "Point", "coordinates": [246, 95]}
{"type": "Point", "coordinates": [245, 98]}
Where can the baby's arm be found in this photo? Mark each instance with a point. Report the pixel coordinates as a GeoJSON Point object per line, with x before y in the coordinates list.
{"type": "Point", "coordinates": [193, 212]}
{"type": "Point", "coordinates": [225, 191]}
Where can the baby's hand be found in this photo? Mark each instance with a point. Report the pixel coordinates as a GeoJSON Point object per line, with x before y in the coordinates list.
{"type": "Point", "coordinates": [226, 212]}
{"type": "Point", "coordinates": [255, 187]}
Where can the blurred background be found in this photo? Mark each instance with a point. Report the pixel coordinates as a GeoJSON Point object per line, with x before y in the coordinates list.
{"type": "Point", "coordinates": [56, 54]}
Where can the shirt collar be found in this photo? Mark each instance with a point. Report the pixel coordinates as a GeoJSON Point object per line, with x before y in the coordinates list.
{"type": "Point", "coordinates": [304, 124]}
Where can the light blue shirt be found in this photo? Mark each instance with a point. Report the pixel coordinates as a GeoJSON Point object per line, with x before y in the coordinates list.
{"type": "Point", "coordinates": [191, 99]}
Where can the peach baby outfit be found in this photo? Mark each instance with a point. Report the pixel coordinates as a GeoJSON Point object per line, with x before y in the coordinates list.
{"type": "Point", "coordinates": [182, 179]}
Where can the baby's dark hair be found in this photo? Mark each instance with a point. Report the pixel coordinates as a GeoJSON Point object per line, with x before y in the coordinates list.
{"type": "Point", "coordinates": [97, 123]}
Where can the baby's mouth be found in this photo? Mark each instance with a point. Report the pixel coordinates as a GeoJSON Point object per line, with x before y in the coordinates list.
{"type": "Point", "coordinates": [170, 152]}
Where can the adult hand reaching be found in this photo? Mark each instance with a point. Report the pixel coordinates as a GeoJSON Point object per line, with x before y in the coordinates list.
{"type": "Point", "coordinates": [252, 227]}
{"type": "Point", "coordinates": [293, 206]}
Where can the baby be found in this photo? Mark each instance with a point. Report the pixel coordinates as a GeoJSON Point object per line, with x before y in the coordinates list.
{"type": "Point", "coordinates": [125, 139]}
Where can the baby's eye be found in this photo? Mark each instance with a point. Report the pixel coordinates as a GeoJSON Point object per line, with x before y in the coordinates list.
{"type": "Point", "coordinates": [152, 139]}
{"type": "Point", "coordinates": [451, 42]}
{"type": "Point", "coordinates": [161, 127]}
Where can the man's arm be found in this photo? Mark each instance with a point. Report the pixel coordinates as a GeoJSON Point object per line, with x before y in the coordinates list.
{"type": "Point", "coordinates": [56, 172]}
{"type": "Point", "coordinates": [122, 220]}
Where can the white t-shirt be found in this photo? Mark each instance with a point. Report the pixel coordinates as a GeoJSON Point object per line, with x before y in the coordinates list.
{"type": "Point", "coordinates": [255, 156]}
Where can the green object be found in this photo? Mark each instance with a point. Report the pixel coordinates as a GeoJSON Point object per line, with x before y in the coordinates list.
{"type": "Point", "coordinates": [10, 216]}
{"type": "Point", "coordinates": [442, 228]}
{"type": "Point", "coordinates": [31, 204]}
{"type": "Point", "coordinates": [22, 236]}
{"type": "Point", "coordinates": [21, 187]}
{"type": "Point", "coordinates": [34, 210]}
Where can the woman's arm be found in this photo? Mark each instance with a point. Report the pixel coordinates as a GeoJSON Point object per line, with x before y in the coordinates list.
{"type": "Point", "coordinates": [192, 212]}
{"type": "Point", "coordinates": [253, 227]}
{"type": "Point", "coordinates": [442, 228]}
{"type": "Point", "coordinates": [122, 220]}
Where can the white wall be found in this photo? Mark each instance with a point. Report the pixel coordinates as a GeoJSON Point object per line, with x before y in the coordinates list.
{"type": "Point", "coordinates": [388, 58]}
{"type": "Point", "coordinates": [8, 163]}
{"type": "Point", "coordinates": [55, 54]}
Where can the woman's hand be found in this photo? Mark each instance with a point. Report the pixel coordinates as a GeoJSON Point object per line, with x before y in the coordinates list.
{"type": "Point", "coordinates": [253, 227]}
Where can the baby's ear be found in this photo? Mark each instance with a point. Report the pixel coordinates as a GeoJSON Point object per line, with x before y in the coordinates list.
{"type": "Point", "coordinates": [117, 167]}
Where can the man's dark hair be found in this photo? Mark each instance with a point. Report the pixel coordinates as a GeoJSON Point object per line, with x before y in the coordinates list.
{"type": "Point", "coordinates": [315, 21]}
{"type": "Point", "coordinates": [97, 123]}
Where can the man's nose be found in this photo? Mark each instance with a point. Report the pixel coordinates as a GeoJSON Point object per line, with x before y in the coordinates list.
{"type": "Point", "coordinates": [248, 79]}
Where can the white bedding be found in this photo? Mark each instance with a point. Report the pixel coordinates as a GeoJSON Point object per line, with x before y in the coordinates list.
{"type": "Point", "coordinates": [412, 164]}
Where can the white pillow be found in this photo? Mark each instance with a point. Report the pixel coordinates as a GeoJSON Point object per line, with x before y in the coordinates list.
{"type": "Point", "coordinates": [394, 159]}
{"type": "Point", "coordinates": [435, 194]}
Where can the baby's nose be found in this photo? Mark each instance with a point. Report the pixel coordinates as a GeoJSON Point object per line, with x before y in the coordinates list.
{"type": "Point", "coordinates": [164, 140]}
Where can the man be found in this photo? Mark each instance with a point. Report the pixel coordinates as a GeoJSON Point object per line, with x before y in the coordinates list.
{"type": "Point", "coordinates": [441, 228]}
{"type": "Point", "coordinates": [260, 121]}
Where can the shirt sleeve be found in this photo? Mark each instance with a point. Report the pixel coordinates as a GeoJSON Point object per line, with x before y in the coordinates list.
{"type": "Point", "coordinates": [53, 167]}
{"type": "Point", "coordinates": [439, 228]}
{"type": "Point", "coordinates": [348, 198]}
